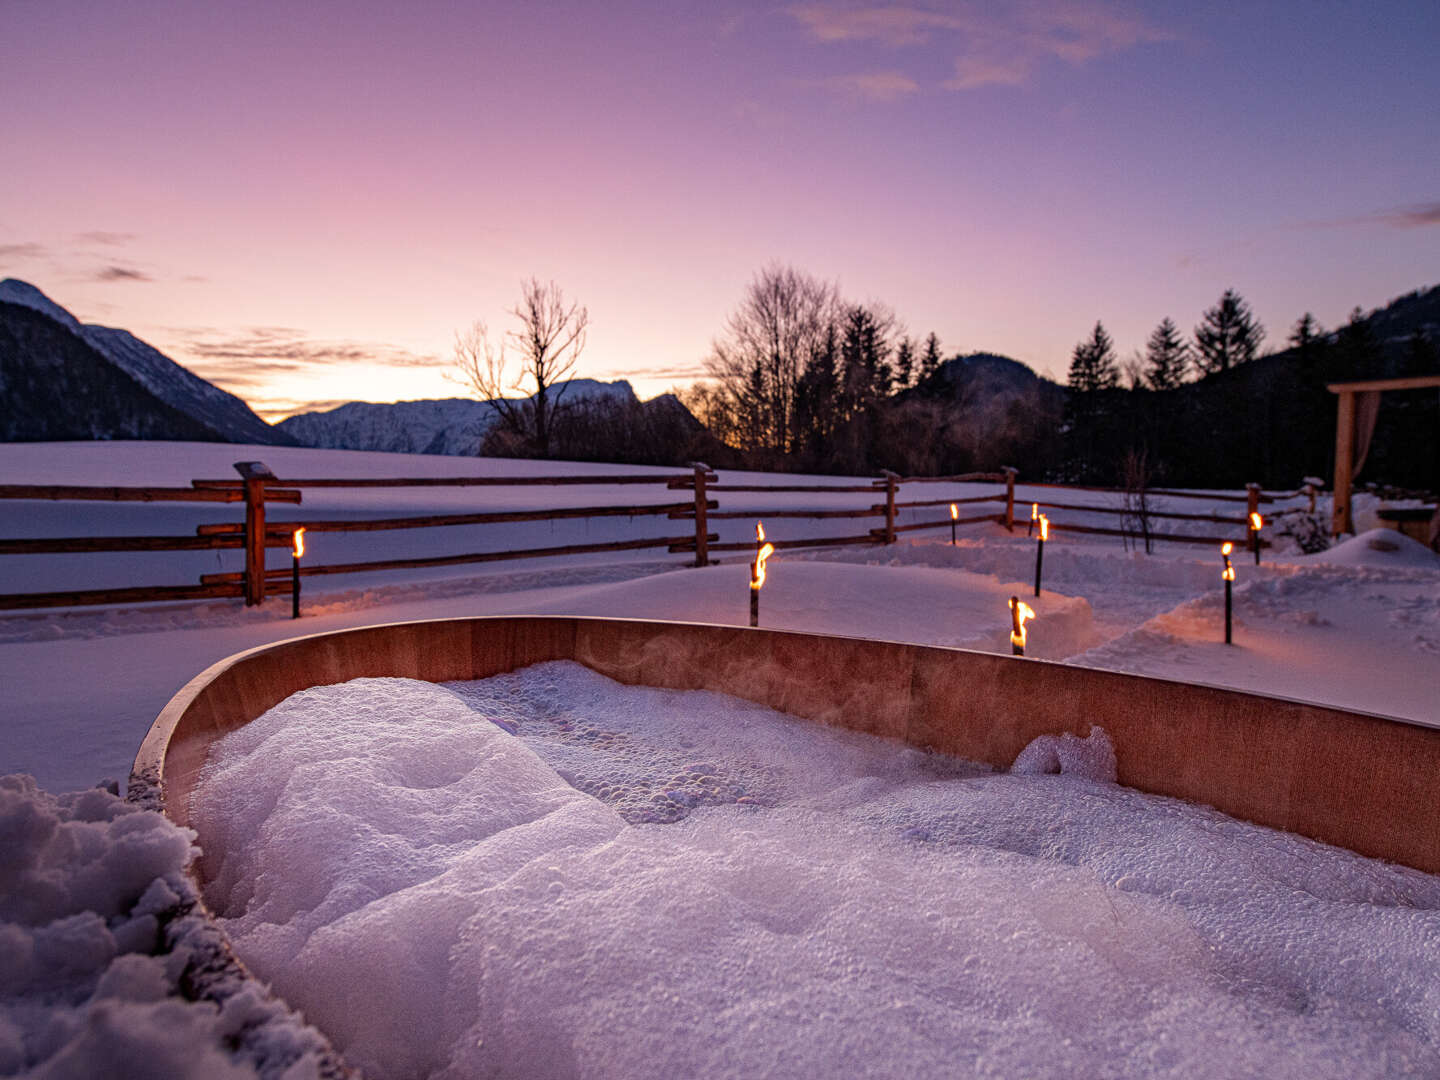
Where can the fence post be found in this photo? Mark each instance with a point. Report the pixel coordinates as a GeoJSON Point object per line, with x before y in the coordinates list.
{"type": "Point", "coordinates": [891, 479]}
{"type": "Point", "coordinates": [255, 474]}
{"type": "Point", "coordinates": [702, 525]}
{"type": "Point", "coordinates": [1010, 471]}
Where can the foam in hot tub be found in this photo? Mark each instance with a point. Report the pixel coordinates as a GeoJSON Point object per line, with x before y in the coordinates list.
{"type": "Point", "coordinates": [547, 874]}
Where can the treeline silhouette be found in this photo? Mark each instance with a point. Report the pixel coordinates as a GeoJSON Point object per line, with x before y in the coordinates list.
{"type": "Point", "coordinates": [804, 380]}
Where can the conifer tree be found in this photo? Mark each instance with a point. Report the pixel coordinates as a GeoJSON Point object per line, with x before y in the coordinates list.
{"type": "Point", "coordinates": [1167, 357]}
{"type": "Point", "coordinates": [1228, 335]}
{"type": "Point", "coordinates": [930, 359]}
{"type": "Point", "coordinates": [1093, 365]}
{"type": "Point", "coordinates": [1305, 333]}
{"type": "Point", "coordinates": [904, 364]}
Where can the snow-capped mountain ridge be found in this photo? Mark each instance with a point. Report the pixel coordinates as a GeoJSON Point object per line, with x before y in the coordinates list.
{"type": "Point", "coordinates": [455, 426]}
{"type": "Point", "coordinates": [227, 415]}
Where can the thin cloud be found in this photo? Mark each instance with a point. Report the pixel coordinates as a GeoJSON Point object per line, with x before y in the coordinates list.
{"type": "Point", "coordinates": [882, 86]}
{"type": "Point", "coordinates": [27, 250]}
{"type": "Point", "coordinates": [690, 371]}
{"type": "Point", "coordinates": [1412, 217]}
{"type": "Point", "coordinates": [895, 25]}
{"type": "Point", "coordinates": [121, 273]}
{"type": "Point", "coordinates": [1418, 216]}
{"type": "Point", "coordinates": [271, 349]}
{"type": "Point", "coordinates": [108, 239]}
{"type": "Point", "coordinates": [992, 45]}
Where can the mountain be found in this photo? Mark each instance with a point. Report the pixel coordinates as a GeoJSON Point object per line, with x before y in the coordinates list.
{"type": "Point", "coordinates": [221, 415]}
{"type": "Point", "coordinates": [456, 426]}
{"type": "Point", "coordinates": [55, 386]}
{"type": "Point", "coordinates": [985, 378]}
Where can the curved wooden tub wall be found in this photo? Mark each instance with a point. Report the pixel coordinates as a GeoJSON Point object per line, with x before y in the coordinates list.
{"type": "Point", "coordinates": [1364, 782]}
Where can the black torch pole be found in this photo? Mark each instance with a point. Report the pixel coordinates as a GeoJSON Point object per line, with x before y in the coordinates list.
{"type": "Point", "coordinates": [1255, 543]}
{"type": "Point", "coordinates": [1228, 584]}
{"type": "Point", "coordinates": [952, 532]}
{"type": "Point", "coordinates": [294, 586]}
{"type": "Point", "coordinates": [1016, 628]}
{"type": "Point", "coordinates": [1039, 561]}
{"type": "Point", "coordinates": [754, 600]}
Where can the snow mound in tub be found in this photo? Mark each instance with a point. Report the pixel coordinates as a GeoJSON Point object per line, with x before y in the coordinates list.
{"type": "Point", "coordinates": [550, 874]}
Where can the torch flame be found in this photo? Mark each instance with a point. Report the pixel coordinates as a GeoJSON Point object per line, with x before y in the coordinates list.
{"type": "Point", "coordinates": [757, 568]}
{"type": "Point", "coordinates": [954, 512]}
{"type": "Point", "coordinates": [1225, 549]}
{"type": "Point", "coordinates": [1044, 527]}
{"type": "Point", "coordinates": [1034, 511]}
{"type": "Point", "coordinates": [1020, 613]}
{"type": "Point", "coordinates": [759, 532]}
{"type": "Point", "coordinates": [299, 538]}
{"type": "Point", "coordinates": [1256, 521]}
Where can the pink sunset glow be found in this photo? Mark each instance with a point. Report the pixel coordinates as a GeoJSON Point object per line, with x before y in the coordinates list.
{"type": "Point", "coordinates": [305, 205]}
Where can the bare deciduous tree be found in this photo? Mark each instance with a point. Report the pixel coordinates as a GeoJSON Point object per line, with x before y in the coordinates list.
{"type": "Point", "coordinates": [767, 344]}
{"type": "Point", "coordinates": [549, 340]}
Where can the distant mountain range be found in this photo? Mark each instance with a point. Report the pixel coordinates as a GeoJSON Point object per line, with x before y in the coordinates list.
{"type": "Point", "coordinates": [455, 426]}
{"type": "Point", "coordinates": [63, 379]}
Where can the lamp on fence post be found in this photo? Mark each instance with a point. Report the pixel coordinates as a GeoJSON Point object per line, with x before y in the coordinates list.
{"type": "Point", "coordinates": [954, 513]}
{"type": "Point", "coordinates": [763, 551]}
{"type": "Point", "coordinates": [298, 538]}
{"type": "Point", "coordinates": [1256, 522]}
{"type": "Point", "coordinates": [1040, 550]}
{"type": "Point", "coordinates": [1019, 612]}
{"type": "Point", "coordinates": [1229, 577]}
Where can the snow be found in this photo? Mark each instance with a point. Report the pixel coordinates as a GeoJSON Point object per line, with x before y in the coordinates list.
{"type": "Point", "coordinates": [97, 946]}
{"type": "Point", "coordinates": [1356, 626]}
{"type": "Point", "coordinates": [649, 883]}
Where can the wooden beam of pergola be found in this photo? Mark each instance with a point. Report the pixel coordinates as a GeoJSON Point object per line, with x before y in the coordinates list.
{"type": "Point", "coordinates": [1341, 521]}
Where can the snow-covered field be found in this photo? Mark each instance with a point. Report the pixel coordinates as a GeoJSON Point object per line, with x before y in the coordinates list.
{"type": "Point", "coordinates": [1358, 626]}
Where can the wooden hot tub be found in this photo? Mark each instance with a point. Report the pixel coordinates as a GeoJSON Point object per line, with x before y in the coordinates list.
{"type": "Point", "coordinates": [1364, 782]}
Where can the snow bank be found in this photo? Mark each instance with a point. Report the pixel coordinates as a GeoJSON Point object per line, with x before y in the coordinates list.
{"type": "Point", "coordinates": [1090, 758]}
{"type": "Point", "coordinates": [648, 883]}
{"type": "Point", "coordinates": [96, 946]}
{"type": "Point", "coordinates": [1382, 548]}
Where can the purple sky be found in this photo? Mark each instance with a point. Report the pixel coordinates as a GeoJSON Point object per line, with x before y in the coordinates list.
{"type": "Point", "coordinates": [304, 202]}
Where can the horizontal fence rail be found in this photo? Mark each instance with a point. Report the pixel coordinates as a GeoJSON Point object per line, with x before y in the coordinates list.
{"type": "Point", "coordinates": [256, 487]}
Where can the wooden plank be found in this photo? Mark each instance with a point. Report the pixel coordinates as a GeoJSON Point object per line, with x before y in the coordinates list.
{"type": "Point", "coordinates": [79, 492]}
{"type": "Point", "coordinates": [1413, 382]}
{"type": "Point", "coordinates": [1173, 538]}
{"type": "Point", "coordinates": [434, 520]}
{"type": "Point", "coordinates": [945, 502]}
{"type": "Point", "coordinates": [962, 478]}
{"type": "Point", "coordinates": [135, 595]}
{"type": "Point", "coordinates": [307, 570]}
{"type": "Point", "coordinates": [76, 544]}
{"type": "Point", "coordinates": [814, 514]}
{"type": "Point", "coordinates": [781, 545]}
{"type": "Point", "coordinates": [449, 481]}
{"type": "Point", "coordinates": [1168, 493]}
{"type": "Point", "coordinates": [1152, 513]}
{"type": "Point", "coordinates": [1344, 464]}
{"type": "Point", "coordinates": [814, 489]}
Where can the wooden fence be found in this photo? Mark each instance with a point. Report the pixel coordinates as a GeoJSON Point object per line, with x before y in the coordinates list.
{"type": "Point", "coordinates": [257, 487]}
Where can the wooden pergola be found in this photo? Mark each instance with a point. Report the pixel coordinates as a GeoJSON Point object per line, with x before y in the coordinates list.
{"type": "Point", "coordinates": [1346, 448]}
